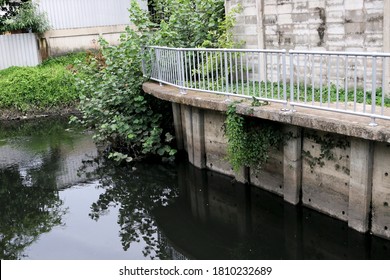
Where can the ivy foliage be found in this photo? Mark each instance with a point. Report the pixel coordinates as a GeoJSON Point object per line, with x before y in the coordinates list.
{"type": "Point", "coordinates": [131, 124]}
{"type": "Point", "coordinates": [249, 141]}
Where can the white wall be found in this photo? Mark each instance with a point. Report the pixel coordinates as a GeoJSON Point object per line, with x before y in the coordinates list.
{"type": "Point", "coordinates": [67, 14]}
{"type": "Point", "coordinates": [18, 50]}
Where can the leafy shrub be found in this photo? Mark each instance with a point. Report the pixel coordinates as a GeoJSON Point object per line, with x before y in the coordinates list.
{"type": "Point", "coordinates": [112, 101]}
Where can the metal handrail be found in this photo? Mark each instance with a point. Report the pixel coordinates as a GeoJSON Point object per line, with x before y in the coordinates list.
{"type": "Point", "coordinates": [342, 82]}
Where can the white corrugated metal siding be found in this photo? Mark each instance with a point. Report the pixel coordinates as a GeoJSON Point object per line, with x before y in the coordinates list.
{"type": "Point", "coordinates": [18, 50]}
{"type": "Point", "coordinates": [65, 14]}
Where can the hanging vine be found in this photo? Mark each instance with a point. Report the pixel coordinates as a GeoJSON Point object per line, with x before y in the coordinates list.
{"type": "Point", "coordinates": [328, 142]}
{"type": "Point", "coordinates": [249, 140]}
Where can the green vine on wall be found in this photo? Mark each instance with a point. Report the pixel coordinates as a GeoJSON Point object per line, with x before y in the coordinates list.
{"type": "Point", "coordinates": [249, 140]}
{"type": "Point", "coordinates": [328, 143]}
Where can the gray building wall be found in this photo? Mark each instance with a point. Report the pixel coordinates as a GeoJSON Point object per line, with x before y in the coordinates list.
{"type": "Point", "coordinates": [332, 25]}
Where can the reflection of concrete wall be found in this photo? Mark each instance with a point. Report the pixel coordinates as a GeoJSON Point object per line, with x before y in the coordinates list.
{"type": "Point", "coordinates": [273, 228]}
{"type": "Point", "coordinates": [10, 156]}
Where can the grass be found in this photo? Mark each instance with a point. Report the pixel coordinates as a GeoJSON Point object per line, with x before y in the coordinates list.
{"type": "Point", "coordinates": [331, 94]}
{"type": "Point", "coordinates": [42, 88]}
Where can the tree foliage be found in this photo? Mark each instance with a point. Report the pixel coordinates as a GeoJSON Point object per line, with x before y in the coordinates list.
{"type": "Point", "coordinates": [22, 15]}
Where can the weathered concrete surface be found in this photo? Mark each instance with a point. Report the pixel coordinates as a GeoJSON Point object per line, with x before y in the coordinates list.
{"type": "Point", "coordinates": [381, 190]}
{"type": "Point", "coordinates": [324, 121]}
{"type": "Point", "coordinates": [198, 141]}
{"type": "Point", "coordinates": [292, 165]}
{"type": "Point", "coordinates": [216, 143]}
{"type": "Point", "coordinates": [270, 176]}
{"type": "Point", "coordinates": [177, 121]}
{"type": "Point", "coordinates": [360, 184]}
{"type": "Point", "coordinates": [325, 182]}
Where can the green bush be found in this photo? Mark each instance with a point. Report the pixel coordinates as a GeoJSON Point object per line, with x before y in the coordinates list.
{"type": "Point", "coordinates": [112, 101]}
{"type": "Point", "coordinates": [42, 88]}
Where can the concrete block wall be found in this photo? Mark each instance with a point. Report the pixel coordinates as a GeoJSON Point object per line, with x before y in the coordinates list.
{"type": "Point", "coordinates": [317, 25]}
{"type": "Point", "coordinates": [333, 25]}
{"type": "Point", "coordinates": [338, 175]}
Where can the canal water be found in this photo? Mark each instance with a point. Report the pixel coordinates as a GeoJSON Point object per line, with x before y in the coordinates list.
{"type": "Point", "coordinates": [60, 200]}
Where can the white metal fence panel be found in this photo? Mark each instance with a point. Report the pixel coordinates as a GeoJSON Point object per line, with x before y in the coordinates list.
{"type": "Point", "coordinates": [66, 14]}
{"type": "Point", "coordinates": [18, 50]}
{"type": "Point", "coordinates": [342, 82]}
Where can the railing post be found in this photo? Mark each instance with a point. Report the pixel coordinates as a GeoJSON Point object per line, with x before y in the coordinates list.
{"type": "Point", "coordinates": [157, 54]}
{"type": "Point", "coordinates": [284, 80]}
{"type": "Point", "coordinates": [143, 60]}
{"type": "Point", "coordinates": [373, 93]}
{"type": "Point", "coordinates": [226, 71]}
{"type": "Point", "coordinates": [180, 70]}
{"type": "Point", "coordinates": [291, 79]}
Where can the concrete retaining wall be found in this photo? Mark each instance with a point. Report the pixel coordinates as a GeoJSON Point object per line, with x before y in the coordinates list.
{"type": "Point", "coordinates": [324, 165]}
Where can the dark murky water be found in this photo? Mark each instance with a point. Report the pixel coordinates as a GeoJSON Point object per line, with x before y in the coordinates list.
{"type": "Point", "coordinates": [59, 201]}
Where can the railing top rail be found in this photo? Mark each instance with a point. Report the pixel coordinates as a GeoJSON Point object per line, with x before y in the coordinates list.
{"type": "Point", "coordinates": [374, 54]}
{"type": "Point", "coordinates": [334, 53]}
{"type": "Point", "coordinates": [216, 49]}
{"type": "Point", "coordinates": [331, 53]}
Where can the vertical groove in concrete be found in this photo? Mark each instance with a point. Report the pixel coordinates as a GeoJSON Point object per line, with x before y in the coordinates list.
{"type": "Point", "coordinates": [199, 158]}
{"type": "Point", "coordinates": [177, 122]}
{"type": "Point", "coordinates": [188, 127]}
{"type": "Point", "coordinates": [183, 125]}
{"type": "Point", "coordinates": [360, 184]}
{"type": "Point", "coordinates": [292, 165]}
{"type": "Point", "coordinates": [243, 175]}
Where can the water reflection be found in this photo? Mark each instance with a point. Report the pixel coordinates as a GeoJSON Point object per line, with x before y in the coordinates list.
{"type": "Point", "coordinates": [216, 218]}
{"type": "Point", "coordinates": [25, 212]}
{"type": "Point", "coordinates": [59, 200]}
{"type": "Point", "coordinates": [136, 193]}
{"type": "Point", "coordinates": [180, 212]}
{"type": "Point", "coordinates": [33, 156]}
